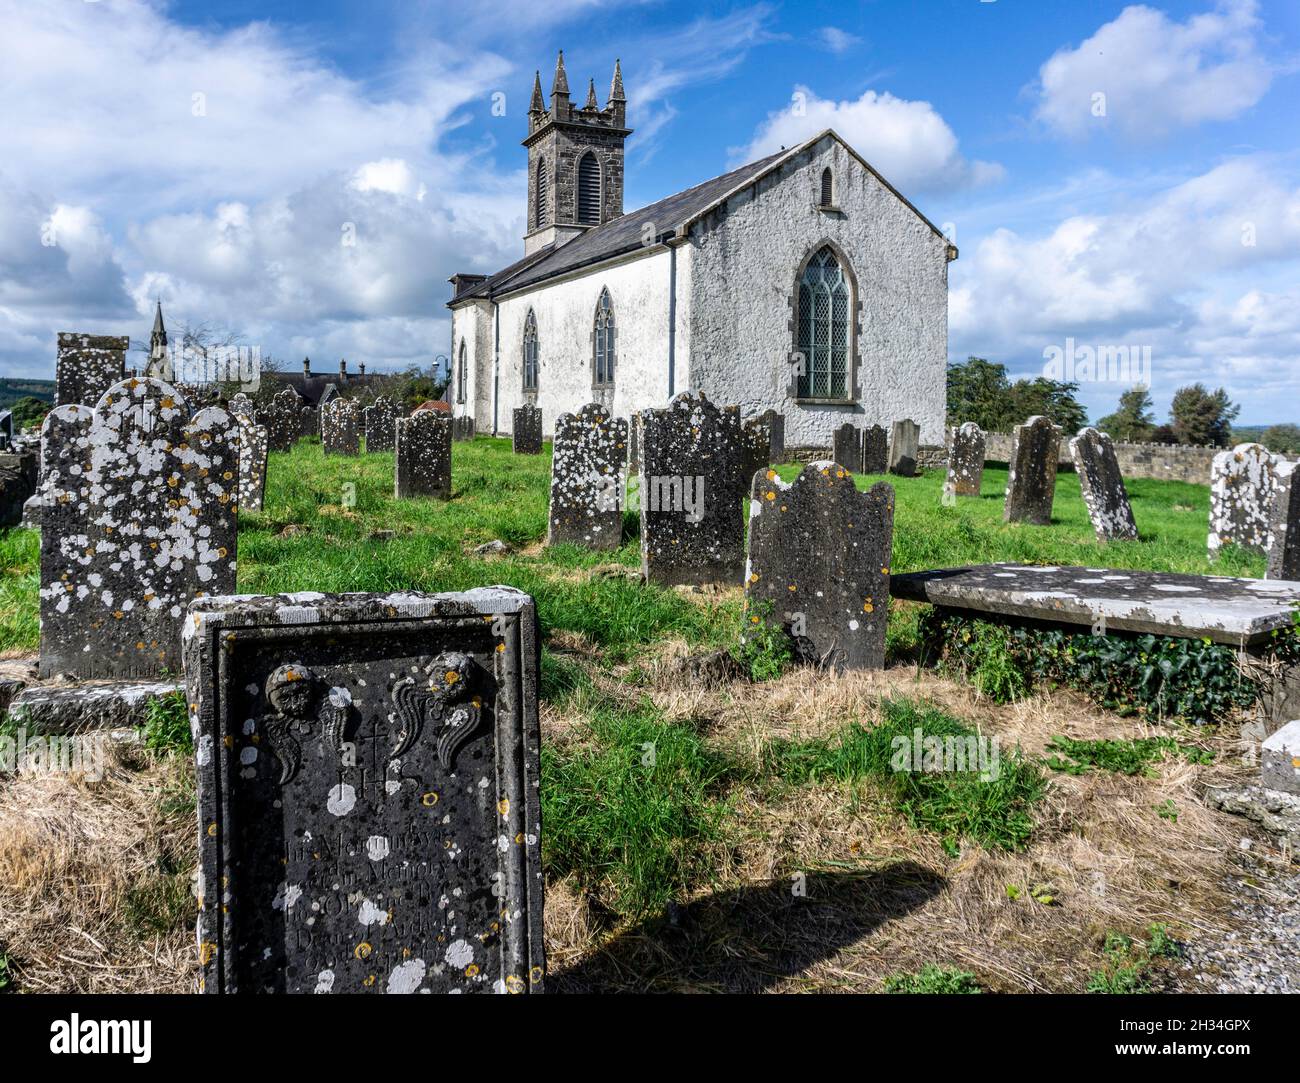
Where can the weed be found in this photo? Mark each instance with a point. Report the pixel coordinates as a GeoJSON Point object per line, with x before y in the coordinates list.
{"type": "Point", "coordinates": [931, 979]}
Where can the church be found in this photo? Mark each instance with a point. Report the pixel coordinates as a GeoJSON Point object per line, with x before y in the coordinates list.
{"type": "Point", "coordinates": [803, 282]}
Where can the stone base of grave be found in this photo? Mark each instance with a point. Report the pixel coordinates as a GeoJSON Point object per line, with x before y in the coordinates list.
{"type": "Point", "coordinates": [86, 705]}
{"type": "Point", "coordinates": [1276, 812]}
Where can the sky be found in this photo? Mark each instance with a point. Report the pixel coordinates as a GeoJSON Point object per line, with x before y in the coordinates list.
{"type": "Point", "coordinates": [1121, 180]}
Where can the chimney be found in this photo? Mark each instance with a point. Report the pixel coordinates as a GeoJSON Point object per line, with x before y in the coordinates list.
{"type": "Point", "coordinates": [362, 368]}
{"type": "Point", "coordinates": [343, 369]}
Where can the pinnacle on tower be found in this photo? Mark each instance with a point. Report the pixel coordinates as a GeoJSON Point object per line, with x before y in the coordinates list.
{"type": "Point", "coordinates": [616, 87]}
{"type": "Point", "coordinates": [560, 85]}
{"type": "Point", "coordinates": [537, 105]}
{"type": "Point", "coordinates": [591, 95]}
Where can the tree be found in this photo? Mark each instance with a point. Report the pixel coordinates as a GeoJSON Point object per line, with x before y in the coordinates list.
{"type": "Point", "coordinates": [1133, 420]}
{"type": "Point", "coordinates": [1281, 438]}
{"type": "Point", "coordinates": [1201, 417]}
{"type": "Point", "coordinates": [1052, 399]}
{"type": "Point", "coordinates": [980, 391]}
{"type": "Point", "coordinates": [29, 412]}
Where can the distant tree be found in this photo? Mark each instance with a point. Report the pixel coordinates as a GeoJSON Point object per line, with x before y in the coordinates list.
{"type": "Point", "coordinates": [1133, 420]}
{"type": "Point", "coordinates": [1203, 417]}
{"type": "Point", "coordinates": [1280, 438]}
{"type": "Point", "coordinates": [979, 390]}
{"type": "Point", "coordinates": [1049, 398]}
{"type": "Point", "coordinates": [1164, 434]}
{"type": "Point", "coordinates": [416, 385]}
{"type": "Point", "coordinates": [29, 412]}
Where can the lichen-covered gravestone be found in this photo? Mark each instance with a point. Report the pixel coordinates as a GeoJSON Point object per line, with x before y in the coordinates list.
{"type": "Point", "coordinates": [526, 434]}
{"type": "Point", "coordinates": [904, 448]}
{"type": "Point", "coordinates": [309, 421]}
{"type": "Point", "coordinates": [242, 406]}
{"type": "Point", "coordinates": [462, 428]}
{"type": "Point", "coordinates": [284, 420]}
{"type": "Point", "coordinates": [380, 421]}
{"type": "Point", "coordinates": [1031, 482]}
{"type": "Point", "coordinates": [875, 450]}
{"type": "Point", "coordinates": [1102, 484]}
{"type": "Point", "coordinates": [422, 463]}
{"type": "Point", "coordinates": [819, 554]}
{"type": "Point", "coordinates": [965, 459]}
{"type": "Point", "coordinates": [368, 803]}
{"type": "Point", "coordinates": [589, 457]}
{"type": "Point", "coordinates": [1284, 523]}
{"type": "Point", "coordinates": [690, 488]}
{"type": "Point", "coordinates": [138, 519]}
{"type": "Point", "coordinates": [847, 447]}
{"type": "Point", "coordinates": [340, 427]}
{"type": "Point", "coordinates": [1242, 483]}
{"type": "Point", "coordinates": [252, 464]}
{"type": "Point", "coordinates": [87, 366]}
{"type": "Point", "coordinates": [764, 438]}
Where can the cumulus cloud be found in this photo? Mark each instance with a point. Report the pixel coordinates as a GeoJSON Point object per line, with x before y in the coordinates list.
{"type": "Point", "coordinates": [1155, 75]}
{"type": "Point", "coordinates": [908, 141]}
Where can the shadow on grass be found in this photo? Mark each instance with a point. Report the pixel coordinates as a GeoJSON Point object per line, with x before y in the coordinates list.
{"type": "Point", "coordinates": [749, 939]}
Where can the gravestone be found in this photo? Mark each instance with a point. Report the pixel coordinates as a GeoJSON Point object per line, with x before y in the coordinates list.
{"type": "Point", "coordinates": [1284, 523]}
{"type": "Point", "coordinates": [526, 434]}
{"type": "Point", "coordinates": [819, 555]}
{"type": "Point", "coordinates": [340, 427]}
{"type": "Point", "coordinates": [284, 420]}
{"type": "Point", "coordinates": [380, 418]}
{"type": "Point", "coordinates": [462, 428]}
{"type": "Point", "coordinates": [875, 450]}
{"type": "Point", "coordinates": [846, 447]}
{"type": "Point", "coordinates": [309, 421]}
{"type": "Point", "coordinates": [6, 430]}
{"type": "Point", "coordinates": [422, 463]}
{"type": "Point", "coordinates": [764, 437]}
{"type": "Point", "coordinates": [138, 519]}
{"type": "Point", "coordinates": [690, 490]}
{"type": "Point", "coordinates": [965, 459]}
{"type": "Point", "coordinates": [368, 772]}
{"type": "Point", "coordinates": [1031, 483]}
{"type": "Point", "coordinates": [252, 464]}
{"type": "Point", "coordinates": [588, 459]}
{"type": "Point", "coordinates": [904, 448]}
{"type": "Point", "coordinates": [87, 366]}
{"type": "Point", "coordinates": [243, 406]}
{"type": "Point", "coordinates": [18, 483]}
{"type": "Point", "coordinates": [1241, 498]}
{"type": "Point", "coordinates": [1102, 484]}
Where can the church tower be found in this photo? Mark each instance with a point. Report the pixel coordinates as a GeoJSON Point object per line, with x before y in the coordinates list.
{"type": "Point", "coordinates": [157, 346]}
{"type": "Point", "coordinates": [575, 160]}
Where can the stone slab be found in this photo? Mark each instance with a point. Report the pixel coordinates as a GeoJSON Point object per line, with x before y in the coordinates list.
{"type": "Point", "coordinates": [1102, 485]}
{"type": "Point", "coordinates": [1031, 478]}
{"type": "Point", "coordinates": [588, 463]}
{"type": "Point", "coordinates": [905, 448]}
{"type": "Point", "coordinates": [86, 366]}
{"type": "Point", "coordinates": [965, 459]}
{"type": "Point", "coordinates": [875, 450]}
{"type": "Point", "coordinates": [846, 447]}
{"type": "Point", "coordinates": [1284, 523]}
{"type": "Point", "coordinates": [87, 705]}
{"type": "Point", "coordinates": [526, 431]}
{"type": "Point", "coordinates": [422, 456]}
{"type": "Point", "coordinates": [1279, 767]}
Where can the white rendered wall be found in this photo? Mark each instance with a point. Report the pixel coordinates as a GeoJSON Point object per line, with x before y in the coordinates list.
{"type": "Point", "coordinates": [472, 324]}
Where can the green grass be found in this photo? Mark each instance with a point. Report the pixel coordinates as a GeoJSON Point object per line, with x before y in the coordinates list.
{"type": "Point", "coordinates": [167, 725]}
{"type": "Point", "coordinates": [1135, 756]}
{"type": "Point", "coordinates": [933, 980]}
{"type": "Point", "coordinates": [1128, 965]}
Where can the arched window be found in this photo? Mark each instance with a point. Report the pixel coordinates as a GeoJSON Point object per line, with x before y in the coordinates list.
{"type": "Point", "coordinates": [823, 328]}
{"type": "Point", "coordinates": [603, 343]}
{"type": "Point", "coordinates": [540, 193]}
{"type": "Point", "coordinates": [462, 369]}
{"type": "Point", "coordinates": [828, 188]}
{"type": "Point", "coordinates": [530, 352]}
{"type": "Point", "coordinates": [589, 190]}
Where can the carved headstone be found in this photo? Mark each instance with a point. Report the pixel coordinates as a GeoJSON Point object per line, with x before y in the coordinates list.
{"type": "Point", "coordinates": [965, 459]}
{"type": "Point", "coordinates": [1031, 482]}
{"type": "Point", "coordinates": [1241, 498]}
{"type": "Point", "coordinates": [589, 457]}
{"type": "Point", "coordinates": [904, 448]}
{"type": "Point", "coordinates": [368, 772]}
{"type": "Point", "coordinates": [380, 417]}
{"type": "Point", "coordinates": [138, 519]}
{"type": "Point", "coordinates": [252, 464]}
{"type": "Point", "coordinates": [1102, 484]}
{"type": "Point", "coordinates": [284, 419]}
{"type": "Point", "coordinates": [526, 434]}
{"type": "Point", "coordinates": [1284, 523]}
{"type": "Point", "coordinates": [846, 447]}
{"type": "Point", "coordinates": [87, 366]}
{"type": "Point", "coordinates": [690, 490]}
{"type": "Point", "coordinates": [422, 465]}
{"type": "Point", "coordinates": [819, 554]}
{"type": "Point", "coordinates": [340, 427]}
{"type": "Point", "coordinates": [875, 450]}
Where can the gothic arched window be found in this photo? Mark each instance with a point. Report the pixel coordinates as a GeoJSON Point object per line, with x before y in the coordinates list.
{"type": "Point", "coordinates": [828, 188]}
{"type": "Point", "coordinates": [823, 328]}
{"type": "Point", "coordinates": [589, 190]}
{"type": "Point", "coordinates": [530, 352]}
{"type": "Point", "coordinates": [602, 361]}
{"type": "Point", "coordinates": [540, 193]}
{"type": "Point", "coordinates": [462, 370]}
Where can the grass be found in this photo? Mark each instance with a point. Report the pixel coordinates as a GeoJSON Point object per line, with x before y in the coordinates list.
{"type": "Point", "coordinates": [933, 980]}
{"type": "Point", "coordinates": [1134, 756]}
{"type": "Point", "coordinates": [167, 725]}
{"type": "Point", "coordinates": [1128, 965]}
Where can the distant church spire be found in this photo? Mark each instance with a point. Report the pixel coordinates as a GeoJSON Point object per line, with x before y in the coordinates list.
{"type": "Point", "coordinates": [561, 83]}
{"type": "Point", "coordinates": [157, 337]}
{"type": "Point", "coordinates": [591, 95]}
{"type": "Point", "coordinates": [616, 87]}
{"type": "Point", "coordinates": [537, 105]}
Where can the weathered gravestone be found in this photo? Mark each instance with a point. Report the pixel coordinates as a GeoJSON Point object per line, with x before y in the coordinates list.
{"type": "Point", "coordinates": [1102, 484]}
{"type": "Point", "coordinates": [369, 814]}
{"type": "Point", "coordinates": [252, 464]}
{"type": "Point", "coordinates": [965, 459]}
{"type": "Point", "coordinates": [1241, 497]}
{"type": "Point", "coordinates": [309, 421]}
{"type": "Point", "coordinates": [138, 519]}
{"type": "Point", "coordinates": [1031, 483]}
{"type": "Point", "coordinates": [875, 450]}
{"type": "Point", "coordinates": [526, 433]}
{"type": "Point", "coordinates": [589, 456]}
{"type": "Point", "coordinates": [690, 490]}
{"type": "Point", "coordinates": [462, 428]}
{"type": "Point", "coordinates": [846, 447]}
{"type": "Point", "coordinates": [242, 406]}
{"type": "Point", "coordinates": [380, 420]}
{"type": "Point", "coordinates": [87, 366]}
{"type": "Point", "coordinates": [422, 463]}
{"type": "Point", "coordinates": [1284, 523]}
{"type": "Point", "coordinates": [284, 419]}
{"type": "Point", "coordinates": [904, 448]}
{"type": "Point", "coordinates": [340, 427]}
{"type": "Point", "coordinates": [18, 481]}
{"type": "Point", "coordinates": [819, 554]}
{"type": "Point", "coordinates": [764, 438]}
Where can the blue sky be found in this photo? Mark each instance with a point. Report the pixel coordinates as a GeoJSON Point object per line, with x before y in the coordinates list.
{"type": "Point", "coordinates": [212, 154]}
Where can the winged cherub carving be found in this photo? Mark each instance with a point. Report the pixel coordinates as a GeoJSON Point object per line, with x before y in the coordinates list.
{"type": "Point", "coordinates": [447, 702]}
{"type": "Point", "coordinates": [301, 706]}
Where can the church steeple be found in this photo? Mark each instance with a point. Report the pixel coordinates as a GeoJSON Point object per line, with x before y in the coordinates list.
{"type": "Point", "coordinates": [616, 87]}
{"type": "Point", "coordinates": [537, 105]}
{"type": "Point", "coordinates": [560, 84]}
{"type": "Point", "coordinates": [157, 339]}
{"type": "Point", "coordinates": [591, 97]}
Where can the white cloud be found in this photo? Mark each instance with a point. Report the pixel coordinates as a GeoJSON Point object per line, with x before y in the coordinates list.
{"type": "Point", "coordinates": [837, 40]}
{"type": "Point", "coordinates": [908, 141]}
{"type": "Point", "coordinates": [1157, 75]}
